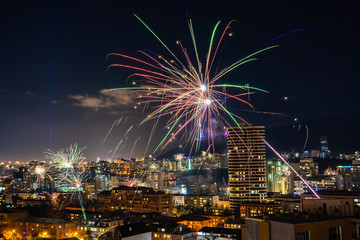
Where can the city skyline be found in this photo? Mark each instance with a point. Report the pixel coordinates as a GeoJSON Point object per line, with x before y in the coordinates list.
{"type": "Point", "coordinates": [61, 71]}
{"type": "Point", "coordinates": [151, 120]}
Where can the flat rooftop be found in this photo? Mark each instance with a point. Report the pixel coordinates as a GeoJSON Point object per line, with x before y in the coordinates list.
{"type": "Point", "coordinates": [298, 218]}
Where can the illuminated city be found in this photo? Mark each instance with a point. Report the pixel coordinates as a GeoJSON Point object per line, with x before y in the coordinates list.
{"type": "Point", "coordinates": [147, 121]}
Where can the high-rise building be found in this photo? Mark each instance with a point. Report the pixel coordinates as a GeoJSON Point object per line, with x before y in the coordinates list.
{"type": "Point", "coordinates": [247, 164]}
{"type": "Point", "coordinates": [279, 177]}
{"type": "Point", "coordinates": [325, 151]}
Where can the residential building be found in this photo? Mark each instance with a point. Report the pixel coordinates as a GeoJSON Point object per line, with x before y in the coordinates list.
{"type": "Point", "coordinates": [48, 227]}
{"type": "Point", "coordinates": [134, 231]}
{"type": "Point", "coordinates": [348, 177]}
{"type": "Point", "coordinates": [322, 183]}
{"type": "Point", "coordinates": [196, 222]}
{"type": "Point", "coordinates": [201, 201]}
{"type": "Point", "coordinates": [207, 233]}
{"type": "Point", "coordinates": [174, 231]}
{"type": "Point", "coordinates": [247, 164]}
{"type": "Point", "coordinates": [255, 209]}
{"type": "Point", "coordinates": [332, 203]}
{"type": "Point", "coordinates": [309, 168]}
{"type": "Point", "coordinates": [136, 199]}
{"type": "Point", "coordinates": [300, 227]}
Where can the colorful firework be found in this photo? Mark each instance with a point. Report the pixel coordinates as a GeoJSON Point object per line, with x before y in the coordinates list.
{"type": "Point", "coordinates": [132, 182]}
{"type": "Point", "coordinates": [69, 171]}
{"type": "Point", "coordinates": [189, 93]}
{"type": "Point", "coordinates": [330, 172]}
{"type": "Point", "coordinates": [67, 158]}
{"type": "Point", "coordinates": [40, 171]}
{"type": "Point", "coordinates": [54, 198]}
{"type": "Point", "coordinates": [188, 90]}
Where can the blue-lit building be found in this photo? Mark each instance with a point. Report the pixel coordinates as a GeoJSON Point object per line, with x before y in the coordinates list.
{"type": "Point", "coordinates": [325, 151]}
{"type": "Point", "coordinates": [320, 183]}
{"type": "Point", "coordinates": [102, 176]}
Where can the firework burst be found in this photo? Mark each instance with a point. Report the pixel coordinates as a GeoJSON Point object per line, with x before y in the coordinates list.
{"type": "Point", "coordinates": [69, 172]}
{"type": "Point", "coordinates": [54, 198]}
{"type": "Point", "coordinates": [40, 171]}
{"type": "Point", "coordinates": [188, 91]}
{"type": "Point", "coordinates": [132, 182]}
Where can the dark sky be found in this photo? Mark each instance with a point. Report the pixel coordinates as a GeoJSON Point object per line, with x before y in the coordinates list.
{"type": "Point", "coordinates": [53, 66]}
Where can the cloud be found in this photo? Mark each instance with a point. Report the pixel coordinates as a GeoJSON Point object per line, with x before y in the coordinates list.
{"type": "Point", "coordinates": [4, 90]}
{"type": "Point", "coordinates": [29, 93]}
{"type": "Point", "coordinates": [56, 101]}
{"type": "Point", "coordinates": [110, 99]}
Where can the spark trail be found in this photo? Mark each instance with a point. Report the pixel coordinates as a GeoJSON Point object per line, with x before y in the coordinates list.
{"type": "Point", "coordinates": [189, 92]}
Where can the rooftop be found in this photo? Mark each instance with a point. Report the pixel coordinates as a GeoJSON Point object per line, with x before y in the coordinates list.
{"type": "Point", "coordinates": [193, 218]}
{"type": "Point", "coordinates": [132, 229]}
{"type": "Point", "coordinates": [46, 220]}
{"type": "Point", "coordinates": [334, 193]}
{"type": "Point", "coordinates": [298, 218]}
{"type": "Point", "coordinates": [272, 203]}
{"type": "Point", "coordinates": [235, 221]}
{"type": "Point", "coordinates": [219, 230]}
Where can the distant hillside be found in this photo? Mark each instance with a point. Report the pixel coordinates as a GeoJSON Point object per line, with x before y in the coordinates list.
{"type": "Point", "coordinates": [343, 134]}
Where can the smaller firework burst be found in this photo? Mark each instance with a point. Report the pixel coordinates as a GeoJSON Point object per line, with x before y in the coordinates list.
{"type": "Point", "coordinates": [330, 172]}
{"type": "Point", "coordinates": [54, 198]}
{"type": "Point", "coordinates": [133, 182]}
{"type": "Point", "coordinates": [40, 171]}
{"type": "Point", "coordinates": [69, 171]}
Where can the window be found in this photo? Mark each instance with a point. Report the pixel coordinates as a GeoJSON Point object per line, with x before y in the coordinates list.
{"type": "Point", "coordinates": [335, 233]}
{"type": "Point", "coordinates": [302, 235]}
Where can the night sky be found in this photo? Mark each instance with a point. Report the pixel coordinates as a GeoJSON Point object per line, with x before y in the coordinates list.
{"type": "Point", "coordinates": [54, 66]}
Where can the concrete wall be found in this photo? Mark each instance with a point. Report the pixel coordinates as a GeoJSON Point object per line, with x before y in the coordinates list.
{"type": "Point", "coordinates": [283, 231]}
{"type": "Point", "coordinates": [257, 229]}
{"type": "Point", "coordinates": [320, 230]}
{"type": "Point", "coordinates": [252, 229]}
{"type": "Point", "coordinates": [344, 206]}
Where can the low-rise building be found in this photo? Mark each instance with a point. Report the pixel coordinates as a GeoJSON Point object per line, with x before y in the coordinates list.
{"type": "Point", "coordinates": [96, 228]}
{"type": "Point", "coordinates": [238, 223]}
{"type": "Point", "coordinates": [219, 233]}
{"type": "Point", "coordinates": [299, 227]}
{"type": "Point", "coordinates": [172, 231]}
{"type": "Point", "coordinates": [201, 201]}
{"type": "Point", "coordinates": [196, 222]}
{"type": "Point", "coordinates": [348, 177]}
{"type": "Point", "coordinates": [289, 203]}
{"type": "Point", "coordinates": [10, 217]}
{"type": "Point", "coordinates": [134, 231]}
{"type": "Point", "coordinates": [34, 227]}
{"type": "Point", "coordinates": [135, 199]}
{"type": "Point", "coordinates": [323, 183]}
{"type": "Point", "coordinates": [256, 209]}
{"type": "Point", "coordinates": [333, 203]}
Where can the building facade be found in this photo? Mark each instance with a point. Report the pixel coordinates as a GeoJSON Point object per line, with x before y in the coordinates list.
{"type": "Point", "coordinates": [279, 178]}
{"type": "Point", "coordinates": [247, 164]}
{"type": "Point", "coordinates": [135, 199]}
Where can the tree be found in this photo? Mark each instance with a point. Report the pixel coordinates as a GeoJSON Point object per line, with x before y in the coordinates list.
{"type": "Point", "coordinates": [12, 234]}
